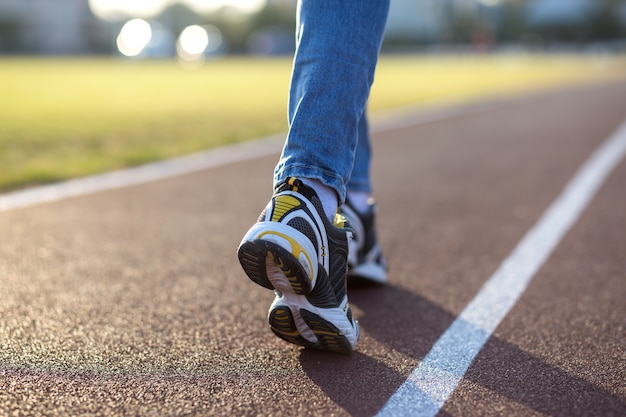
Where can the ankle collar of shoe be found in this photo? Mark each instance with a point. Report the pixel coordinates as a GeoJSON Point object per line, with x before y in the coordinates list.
{"type": "Point", "coordinates": [295, 185]}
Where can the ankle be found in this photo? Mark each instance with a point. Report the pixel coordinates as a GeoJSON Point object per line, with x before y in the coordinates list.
{"type": "Point", "coordinates": [326, 194]}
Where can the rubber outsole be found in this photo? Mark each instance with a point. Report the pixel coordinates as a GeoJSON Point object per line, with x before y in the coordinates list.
{"type": "Point", "coordinates": [328, 336]}
{"type": "Point", "coordinates": [258, 257]}
{"type": "Point", "coordinates": [273, 267]}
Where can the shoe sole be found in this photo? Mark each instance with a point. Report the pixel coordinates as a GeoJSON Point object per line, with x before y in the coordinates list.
{"type": "Point", "coordinates": [273, 267]}
{"type": "Point", "coordinates": [271, 252]}
{"type": "Point", "coordinates": [329, 338]}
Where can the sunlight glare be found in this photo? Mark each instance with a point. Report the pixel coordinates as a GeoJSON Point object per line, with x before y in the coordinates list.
{"type": "Point", "coordinates": [209, 6]}
{"type": "Point", "coordinates": [134, 37]}
{"type": "Point", "coordinates": [116, 9]}
{"type": "Point", "coordinates": [193, 40]}
{"type": "Point", "coordinates": [489, 3]}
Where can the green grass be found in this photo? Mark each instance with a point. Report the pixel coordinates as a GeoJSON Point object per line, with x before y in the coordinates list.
{"type": "Point", "coordinates": [64, 118]}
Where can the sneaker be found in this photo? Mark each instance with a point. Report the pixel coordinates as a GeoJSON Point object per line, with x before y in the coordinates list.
{"type": "Point", "coordinates": [366, 261]}
{"type": "Point", "coordinates": [294, 250]}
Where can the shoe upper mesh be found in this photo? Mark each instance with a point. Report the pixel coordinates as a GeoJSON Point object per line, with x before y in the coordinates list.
{"type": "Point", "coordinates": [304, 227]}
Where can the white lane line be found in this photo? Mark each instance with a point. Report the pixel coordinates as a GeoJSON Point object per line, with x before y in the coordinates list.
{"type": "Point", "coordinates": [437, 376]}
{"type": "Point", "coordinates": [218, 157]}
{"type": "Point", "coordinates": [142, 174]}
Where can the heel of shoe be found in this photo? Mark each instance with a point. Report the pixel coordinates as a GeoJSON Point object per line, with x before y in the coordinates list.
{"type": "Point", "coordinates": [279, 257]}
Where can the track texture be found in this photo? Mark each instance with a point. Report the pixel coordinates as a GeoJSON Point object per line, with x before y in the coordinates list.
{"type": "Point", "coordinates": [132, 302]}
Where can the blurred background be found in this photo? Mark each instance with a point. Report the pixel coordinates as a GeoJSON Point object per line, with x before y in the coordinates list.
{"type": "Point", "coordinates": [95, 85]}
{"type": "Point", "coordinates": [188, 29]}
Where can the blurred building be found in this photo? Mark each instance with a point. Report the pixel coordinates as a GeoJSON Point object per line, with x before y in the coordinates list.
{"type": "Point", "coordinates": [50, 27]}
{"type": "Point", "coordinates": [560, 12]}
{"type": "Point", "coordinates": [416, 20]}
{"type": "Point", "coordinates": [70, 27]}
{"type": "Point", "coordinates": [577, 20]}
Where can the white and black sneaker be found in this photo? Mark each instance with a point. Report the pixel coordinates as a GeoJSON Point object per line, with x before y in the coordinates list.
{"type": "Point", "coordinates": [294, 250]}
{"type": "Point", "coordinates": [366, 261]}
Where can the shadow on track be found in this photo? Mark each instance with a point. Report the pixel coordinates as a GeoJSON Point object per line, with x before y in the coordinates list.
{"type": "Point", "coordinates": [403, 321]}
{"type": "Point", "coordinates": [526, 379]}
{"type": "Point", "coordinates": [410, 324]}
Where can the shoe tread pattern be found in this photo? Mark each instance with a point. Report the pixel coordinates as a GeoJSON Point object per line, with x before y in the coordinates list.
{"type": "Point", "coordinates": [254, 255]}
{"type": "Point", "coordinates": [329, 337]}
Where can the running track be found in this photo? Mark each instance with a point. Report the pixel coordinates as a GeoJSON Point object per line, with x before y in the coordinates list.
{"type": "Point", "coordinates": [504, 224]}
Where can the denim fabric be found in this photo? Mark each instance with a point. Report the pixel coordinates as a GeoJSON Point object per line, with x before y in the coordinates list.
{"type": "Point", "coordinates": [337, 47]}
{"type": "Point", "coordinates": [360, 175]}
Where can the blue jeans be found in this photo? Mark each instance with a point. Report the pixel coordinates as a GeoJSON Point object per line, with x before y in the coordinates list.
{"type": "Point", "coordinates": [337, 47]}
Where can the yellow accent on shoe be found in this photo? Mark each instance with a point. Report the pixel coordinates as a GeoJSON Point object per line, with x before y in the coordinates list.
{"type": "Point", "coordinates": [339, 221]}
{"type": "Point", "coordinates": [282, 205]}
{"type": "Point", "coordinates": [296, 250]}
{"type": "Point", "coordinates": [292, 181]}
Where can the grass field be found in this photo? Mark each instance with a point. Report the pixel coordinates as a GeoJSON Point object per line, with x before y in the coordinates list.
{"type": "Point", "coordinates": [64, 118]}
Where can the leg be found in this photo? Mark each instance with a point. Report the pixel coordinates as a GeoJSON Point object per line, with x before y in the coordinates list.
{"type": "Point", "coordinates": [366, 261]}
{"type": "Point", "coordinates": [295, 249]}
{"type": "Point", "coordinates": [338, 42]}
{"type": "Point", "coordinates": [359, 181]}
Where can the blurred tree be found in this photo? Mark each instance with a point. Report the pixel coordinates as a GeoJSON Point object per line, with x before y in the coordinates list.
{"type": "Point", "coordinates": [463, 21]}
{"type": "Point", "coordinates": [273, 29]}
{"type": "Point", "coordinates": [605, 23]}
{"type": "Point", "coordinates": [580, 21]}
{"type": "Point", "coordinates": [10, 40]}
{"type": "Point", "coordinates": [277, 13]}
{"type": "Point", "coordinates": [511, 24]}
{"type": "Point", "coordinates": [178, 16]}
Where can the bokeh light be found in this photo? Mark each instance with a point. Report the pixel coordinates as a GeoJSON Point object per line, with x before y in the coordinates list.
{"type": "Point", "coordinates": [112, 10]}
{"type": "Point", "coordinates": [241, 6]}
{"type": "Point", "coordinates": [117, 9]}
{"type": "Point", "coordinates": [195, 42]}
{"type": "Point", "coordinates": [134, 37]}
